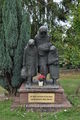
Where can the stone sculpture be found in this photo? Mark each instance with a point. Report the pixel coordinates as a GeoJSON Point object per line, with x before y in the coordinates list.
{"type": "Point", "coordinates": [53, 63]}
{"type": "Point", "coordinates": [40, 56]}
{"type": "Point", "coordinates": [42, 41]}
{"type": "Point", "coordinates": [30, 62]}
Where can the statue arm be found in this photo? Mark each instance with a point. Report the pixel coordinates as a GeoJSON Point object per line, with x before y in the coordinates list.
{"type": "Point", "coordinates": [45, 46]}
{"type": "Point", "coordinates": [53, 61]}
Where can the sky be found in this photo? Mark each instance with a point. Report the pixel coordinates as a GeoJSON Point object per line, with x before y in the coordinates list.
{"type": "Point", "coordinates": [66, 23]}
{"type": "Point", "coordinates": [58, 1]}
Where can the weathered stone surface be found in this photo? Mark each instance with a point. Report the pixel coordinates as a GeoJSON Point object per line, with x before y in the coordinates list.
{"type": "Point", "coordinates": [60, 100]}
{"type": "Point", "coordinates": [40, 56]}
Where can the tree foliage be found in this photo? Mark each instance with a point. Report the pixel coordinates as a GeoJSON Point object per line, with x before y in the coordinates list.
{"type": "Point", "coordinates": [72, 50]}
{"type": "Point", "coordinates": [16, 33]}
{"type": "Point", "coordinates": [42, 12]}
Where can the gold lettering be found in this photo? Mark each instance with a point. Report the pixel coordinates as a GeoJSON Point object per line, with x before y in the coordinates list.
{"type": "Point", "coordinates": [41, 97]}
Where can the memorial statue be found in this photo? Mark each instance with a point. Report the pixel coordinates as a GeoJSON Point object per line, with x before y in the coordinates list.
{"type": "Point", "coordinates": [40, 56]}
{"type": "Point", "coordinates": [30, 62]}
{"type": "Point", "coordinates": [42, 41]}
{"type": "Point", "coordinates": [53, 63]}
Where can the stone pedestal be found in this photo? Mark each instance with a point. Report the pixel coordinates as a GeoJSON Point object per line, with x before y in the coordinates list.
{"type": "Point", "coordinates": [46, 98]}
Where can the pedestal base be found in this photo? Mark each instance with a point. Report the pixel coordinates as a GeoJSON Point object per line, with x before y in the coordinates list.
{"type": "Point", "coordinates": [46, 98]}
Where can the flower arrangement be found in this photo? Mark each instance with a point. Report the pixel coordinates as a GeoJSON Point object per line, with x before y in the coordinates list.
{"type": "Point", "coordinates": [41, 77]}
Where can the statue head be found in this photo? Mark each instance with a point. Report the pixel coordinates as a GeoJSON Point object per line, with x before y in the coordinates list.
{"type": "Point", "coordinates": [43, 31]}
{"type": "Point", "coordinates": [52, 48]}
{"type": "Point", "coordinates": [31, 42]}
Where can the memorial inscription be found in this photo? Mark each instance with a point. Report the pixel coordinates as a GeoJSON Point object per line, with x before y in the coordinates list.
{"type": "Point", "coordinates": [41, 97]}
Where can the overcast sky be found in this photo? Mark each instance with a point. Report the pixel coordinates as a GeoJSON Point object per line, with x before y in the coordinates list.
{"type": "Point", "coordinates": [57, 1]}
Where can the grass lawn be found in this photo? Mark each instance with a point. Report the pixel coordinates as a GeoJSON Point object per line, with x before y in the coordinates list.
{"type": "Point", "coordinates": [69, 82]}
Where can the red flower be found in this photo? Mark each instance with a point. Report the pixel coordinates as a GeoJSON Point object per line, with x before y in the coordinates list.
{"type": "Point", "coordinates": [41, 77]}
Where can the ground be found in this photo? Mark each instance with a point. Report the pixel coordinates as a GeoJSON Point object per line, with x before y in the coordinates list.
{"type": "Point", "coordinates": [69, 82]}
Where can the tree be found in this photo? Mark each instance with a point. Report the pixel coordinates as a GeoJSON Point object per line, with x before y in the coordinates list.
{"type": "Point", "coordinates": [43, 11]}
{"type": "Point", "coordinates": [72, 49]}
{"type": "Point", "coordinates": [16, 32]}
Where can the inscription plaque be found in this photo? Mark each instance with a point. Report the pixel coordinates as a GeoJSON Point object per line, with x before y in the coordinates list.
{"type": "Point", "coordinates": [41, 97]}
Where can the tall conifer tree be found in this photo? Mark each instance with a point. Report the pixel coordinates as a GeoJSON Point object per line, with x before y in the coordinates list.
{"type": "Point", "coordinates": [16, 30]}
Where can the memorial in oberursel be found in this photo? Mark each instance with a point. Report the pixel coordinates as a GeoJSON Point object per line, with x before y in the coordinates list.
{"type": "Point", "coordinates": [40, 71]}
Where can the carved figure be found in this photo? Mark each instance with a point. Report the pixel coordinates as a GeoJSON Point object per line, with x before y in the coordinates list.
{"type": "Point", "coordinates": [53, 62]}
{"type": "Point", "coordinates": [42, 41]}
{"type": "Point", "coordinates": [30, 62]}
{"type": "Point", "coordinates": [40, 56]}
